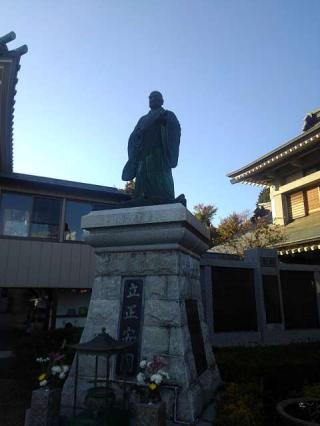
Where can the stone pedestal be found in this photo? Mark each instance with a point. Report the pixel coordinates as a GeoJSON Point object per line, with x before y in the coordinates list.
{"type": "Point", "coordinates": [152, 255]}
{"type": "Point", "coordinates": [151, 414]}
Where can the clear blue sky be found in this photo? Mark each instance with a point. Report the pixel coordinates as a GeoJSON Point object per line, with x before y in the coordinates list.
{"type": "Point", "coordinates": [239, 74]}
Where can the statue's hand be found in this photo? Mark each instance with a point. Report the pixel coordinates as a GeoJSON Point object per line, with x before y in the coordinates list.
{"type": "Point", "coordinates": [163, 118]}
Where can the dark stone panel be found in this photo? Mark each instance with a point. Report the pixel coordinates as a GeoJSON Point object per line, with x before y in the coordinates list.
{"type": "Point", "coordinates": [195, 330]}
{"type": "Point", "coordinates": [272, 302]}
{"type": "Point", "coordinates": [299, 299]}
{"type": "Point", "coordinates": [234, 303]}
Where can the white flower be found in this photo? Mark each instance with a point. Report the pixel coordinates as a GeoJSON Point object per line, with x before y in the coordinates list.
{"type": "Point", "coordinates": [164, 374]}
{"type": "Point", "coordinates": [143, 363]}
{"type": "Point", "coordinates": [149, 363]}
{"type": "Point", "coordinates": [65, 368]}
{"type": "Point", "coordinates": [140, 378]}
{"type": "Point", "coordinates": [43, 383]}
{"type": "Point", "coordinates": [56, 369]}
{"type": "Point", "coordinates": [62, 375]}
{"type": "Point", "coordinates": [156, 378]}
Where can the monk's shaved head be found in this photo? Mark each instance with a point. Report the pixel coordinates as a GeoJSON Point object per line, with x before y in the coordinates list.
{"type": "Point", "coordinates": [156, 93]}
{"type": "Point", "coordinates": [155, 100]}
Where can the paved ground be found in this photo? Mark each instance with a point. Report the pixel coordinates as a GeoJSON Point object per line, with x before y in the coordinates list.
{"type": "Point", "coordinates": [206, 418]}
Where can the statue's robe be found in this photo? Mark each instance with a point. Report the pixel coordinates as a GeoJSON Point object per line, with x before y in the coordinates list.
{"type": "Point", "coordinates": [153, 150]}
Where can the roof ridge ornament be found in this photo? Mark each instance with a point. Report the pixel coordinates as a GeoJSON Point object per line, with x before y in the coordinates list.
{"type": "Point", "coordinates": [4, 40]}
{"type": "Point", "coordinates": [311, 119]}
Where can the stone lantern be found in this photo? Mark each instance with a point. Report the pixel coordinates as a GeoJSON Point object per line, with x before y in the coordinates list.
{"type": "Point", "coordinates": [100, 399]}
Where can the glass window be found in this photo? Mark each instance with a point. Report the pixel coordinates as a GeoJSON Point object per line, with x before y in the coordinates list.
{"type": "Point", "coordinates": [45, 218]}
{"type": "Point", "coordinates": [15, 214]}
{"type": "Point", "coordinates": [74, 211]}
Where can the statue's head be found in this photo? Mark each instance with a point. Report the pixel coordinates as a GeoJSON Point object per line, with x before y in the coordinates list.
{"type": "Point", "coordinates": [155, 100]}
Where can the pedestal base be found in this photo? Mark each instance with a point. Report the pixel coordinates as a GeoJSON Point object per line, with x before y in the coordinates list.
{"type": "Point", "coordinates": [45, 408]}
{"type": "Point", "coordinates": [151, 414]}
{"type": "Point", "coordinates": [147, 288]}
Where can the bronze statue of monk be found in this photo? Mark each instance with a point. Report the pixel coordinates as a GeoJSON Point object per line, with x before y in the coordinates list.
{"type": "Point", "coordinates": [153, 150]}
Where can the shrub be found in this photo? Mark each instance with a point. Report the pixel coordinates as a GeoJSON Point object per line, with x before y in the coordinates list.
{"type": "Point", "coordinates": [289, 366]}
{"type": "Point", "coordinates": [312, 391]}
{"type": "Point", "coordinates": [240, 405]}
{"type": "Point", "coordinates": [281, 371]}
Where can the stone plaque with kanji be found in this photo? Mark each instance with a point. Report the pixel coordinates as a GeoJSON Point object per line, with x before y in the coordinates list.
{"type": "Point", "coordinates": [130, 322]}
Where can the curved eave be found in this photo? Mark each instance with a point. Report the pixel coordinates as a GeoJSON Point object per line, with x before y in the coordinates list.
{"type": "Point", "coordinates": [9, 67]}
{"type": "Point", "coordinates": [250, 173]}
{"type": "Point", "coordinates": [303, 247]}
{"type": "Point", "coordinates": [253, 182]}
{"type": "Point", "coordinates": [300, 245]}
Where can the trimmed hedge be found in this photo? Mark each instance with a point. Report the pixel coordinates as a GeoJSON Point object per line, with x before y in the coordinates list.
{"type": "Point", "coordinates": [257, 378]}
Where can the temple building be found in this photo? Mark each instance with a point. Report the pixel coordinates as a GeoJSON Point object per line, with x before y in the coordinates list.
{"type": "Point", "coordinates": [46, 270]}
{"type": "Point", "coordinates": [292, 172]}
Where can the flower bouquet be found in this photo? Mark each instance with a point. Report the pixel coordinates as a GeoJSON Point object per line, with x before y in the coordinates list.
{"type": "Point", "coordinates": [151, 375]}
{"type": "Point", "coordinates": [53, 371]}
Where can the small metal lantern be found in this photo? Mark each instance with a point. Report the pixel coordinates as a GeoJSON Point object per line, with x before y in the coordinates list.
{"type": "Point", "coordinates": [99, 397]}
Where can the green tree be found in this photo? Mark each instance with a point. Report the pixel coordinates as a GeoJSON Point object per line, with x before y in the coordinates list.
{"type": "Point", "coordinates": [232, 227]}
{"type": "Point", "coordinates": [205, 213]}
{"type": "Point", "coordinates": [236, 233]}
{"type": "Point", "coordinates": [130, 187]}
{"type": "Point", "coordinates": [264, 196]}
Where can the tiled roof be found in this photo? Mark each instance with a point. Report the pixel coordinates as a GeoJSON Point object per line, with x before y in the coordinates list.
{"type": "Point", "coordinates": [9, 67]}
{"type": "Point", "coordinates": [301, 235]}
{"type": "Point", "coordinates": [251, 173]}
{"type": "Point", "coordinates": [30, 181]}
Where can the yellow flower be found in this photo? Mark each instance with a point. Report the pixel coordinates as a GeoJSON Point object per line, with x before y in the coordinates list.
{"type": "Point", "coordinates": [152, 386]}
{"type": "Point", "coordinates": [42, 377]}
